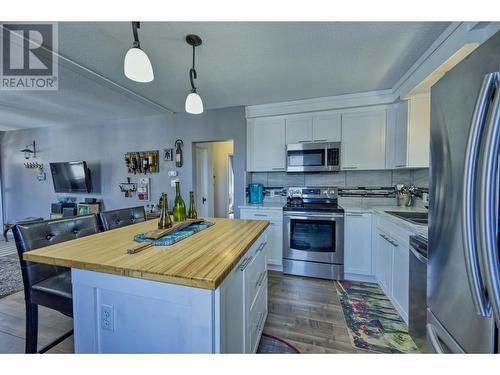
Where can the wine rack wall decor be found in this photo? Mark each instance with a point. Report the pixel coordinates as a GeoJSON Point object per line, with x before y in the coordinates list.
{"type": "Point", "coordinates": [142, 162]}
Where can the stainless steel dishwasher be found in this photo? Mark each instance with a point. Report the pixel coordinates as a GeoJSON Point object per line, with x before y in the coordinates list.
{"type": "Point", "coordinates": [418, 291]}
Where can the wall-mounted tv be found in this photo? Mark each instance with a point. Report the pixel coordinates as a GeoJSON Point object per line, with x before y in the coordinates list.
{"type": "Point", "coordinates": [71, 177]}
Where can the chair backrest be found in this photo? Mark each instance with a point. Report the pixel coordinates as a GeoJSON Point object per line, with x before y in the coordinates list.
{"type": "Point", "coordinates": [122, 217]}
{"type": "Point", "coordinates": [34, 235]}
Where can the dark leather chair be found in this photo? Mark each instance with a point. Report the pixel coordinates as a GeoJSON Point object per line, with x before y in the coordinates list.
{"type": "Point", "coordinates": [122, 217]}
{"type": "Point", "coordinates": [48, 285]}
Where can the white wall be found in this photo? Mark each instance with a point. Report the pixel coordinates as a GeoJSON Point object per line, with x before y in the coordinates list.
{"type": "Point", "coordinates": [220, 153]}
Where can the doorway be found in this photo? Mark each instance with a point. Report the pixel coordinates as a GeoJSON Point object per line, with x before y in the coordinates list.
{"type": "Point", "coordinates": [214, 178]}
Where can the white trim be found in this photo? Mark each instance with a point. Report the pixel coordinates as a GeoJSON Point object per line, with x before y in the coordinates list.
{"type": "Point", "coordinates": [321, 104]}
{"type": "Point", "coordinates": [448, 43]}
{"type": "Point", "coordinates": [274, 266]}
{"type": "Point", "coordinates": [362, 278]}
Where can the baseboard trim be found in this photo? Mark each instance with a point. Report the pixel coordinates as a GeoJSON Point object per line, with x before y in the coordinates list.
{"type": "Point", "coordinates": [362, 278]}
{"type": "Point", "coordinates": [274, 266]}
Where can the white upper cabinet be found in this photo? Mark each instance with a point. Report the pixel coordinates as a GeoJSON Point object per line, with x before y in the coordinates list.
{"type": "Point", "coordinates": [411, 134]}
{"type": "Point", "coordinates": [299, 130]}
{"type": "Point", "coordinates": [266, 145]}
{"type": "Point", "coordinates": [327, 128]}
{"type": "Point", "coordinates": [363, 140]}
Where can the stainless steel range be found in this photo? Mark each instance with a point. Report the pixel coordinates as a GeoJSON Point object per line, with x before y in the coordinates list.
{"type": "Point", "coordinates": [313, 233]}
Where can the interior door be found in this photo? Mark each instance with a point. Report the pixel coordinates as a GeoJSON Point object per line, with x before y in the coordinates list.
{"type": "Point", "coordinates": [204, 180]}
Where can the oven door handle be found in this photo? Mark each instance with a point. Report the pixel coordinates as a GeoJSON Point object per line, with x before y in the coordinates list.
{"type": "Point", "coordinates": [314, 217]}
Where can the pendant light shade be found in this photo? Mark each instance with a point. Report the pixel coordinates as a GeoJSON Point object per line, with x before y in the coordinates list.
{"type": "Point", "coordinates": [137, 66]}
{"type": "Point", "coordinates": [194, 104]}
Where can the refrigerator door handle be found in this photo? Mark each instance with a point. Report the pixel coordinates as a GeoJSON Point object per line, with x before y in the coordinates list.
{"type": "Point", "coordinates": [488, 206]}
{"type": "Point", "coordinates": [472, 257]}
{"type": "Point", "coordinates": [433, 338]}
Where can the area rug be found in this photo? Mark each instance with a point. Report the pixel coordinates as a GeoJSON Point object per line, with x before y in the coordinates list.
{"type": "Point", "coordinates": [372, 321]}
{"type": "Point", "coordinates": [274, 345]}
{"type": "Point", "coordinates": [10, 275]}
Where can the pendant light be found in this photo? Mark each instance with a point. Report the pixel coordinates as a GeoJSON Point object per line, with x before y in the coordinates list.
{"type": "Point", "coordinates": [194, 104]}
{"type": "Point", "coordinates": [137, 66]}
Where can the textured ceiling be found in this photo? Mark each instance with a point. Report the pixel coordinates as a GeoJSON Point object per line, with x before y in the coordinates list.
{"type": "Point", "coordinates": [255, 63]}
{"type": "Point", "coordinates": [240, 63]}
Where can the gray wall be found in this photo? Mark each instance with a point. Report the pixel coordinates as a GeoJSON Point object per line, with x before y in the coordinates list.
{"type": "Point", "coordinates": [103, 145]}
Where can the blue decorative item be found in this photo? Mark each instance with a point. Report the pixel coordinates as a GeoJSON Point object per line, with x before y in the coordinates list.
{"type": "Point", "coordinates": [175, 236]}
{"type": "Point", "coordinates": [255, 193]}
{"type": "Point", "coordinates": [41, 176]}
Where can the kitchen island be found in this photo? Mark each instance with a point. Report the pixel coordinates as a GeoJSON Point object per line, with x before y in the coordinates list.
{"type": "Point", "coordinates": [204, 294]}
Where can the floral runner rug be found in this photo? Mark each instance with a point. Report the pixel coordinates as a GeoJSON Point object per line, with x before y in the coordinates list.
{"type": "Point", "coordinates": [372, 321]}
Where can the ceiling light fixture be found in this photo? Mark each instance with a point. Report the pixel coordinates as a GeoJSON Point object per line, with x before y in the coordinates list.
{"type": "Point", "coordinates": [137, 66]}
{"type": "Point", "coordinates": [194, 104]}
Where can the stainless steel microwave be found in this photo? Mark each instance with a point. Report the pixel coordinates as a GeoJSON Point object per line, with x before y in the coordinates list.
{"type": "Point", "coordinates": [313, 157]}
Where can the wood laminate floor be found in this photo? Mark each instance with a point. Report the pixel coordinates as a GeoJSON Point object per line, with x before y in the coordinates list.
{"type": "Point", "coordinates": [306, 312]}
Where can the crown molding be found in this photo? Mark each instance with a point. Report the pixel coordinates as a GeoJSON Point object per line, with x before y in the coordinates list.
{"type": "Point", "coordinates": [326, 103]}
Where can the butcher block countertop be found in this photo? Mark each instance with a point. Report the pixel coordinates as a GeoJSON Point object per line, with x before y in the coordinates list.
{"type": "Point", "coordinates": [202, 260]}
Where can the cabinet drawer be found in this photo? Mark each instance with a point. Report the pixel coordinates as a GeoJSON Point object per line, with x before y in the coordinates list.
{"type": "Point", "coordinates": [255, 275]}
{"type": "Point", "coordinates": [273, 216]}
{"type": "Point", "coordinates": [257, 317]}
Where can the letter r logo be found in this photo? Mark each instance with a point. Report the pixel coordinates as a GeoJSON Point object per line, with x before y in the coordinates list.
{"type": "Point", "coordinates": [27, 50]}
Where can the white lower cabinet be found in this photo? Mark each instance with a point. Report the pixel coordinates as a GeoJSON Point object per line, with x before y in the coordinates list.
{"type": "Point", "coordinates": [392, 259]}
{"type": "Point", "coordinates": [242, 302]}
{"type": "Point", "coordinates": [358, 246]}
{"type": "Point", "coordinates": [274, 233]}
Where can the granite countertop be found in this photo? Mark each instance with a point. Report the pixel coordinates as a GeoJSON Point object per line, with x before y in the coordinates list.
{"type": "Point", "coordinates": [421, 230]}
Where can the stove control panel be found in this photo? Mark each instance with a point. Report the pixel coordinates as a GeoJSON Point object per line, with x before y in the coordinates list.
{"type": "Point", "coordinates": [312, 192]}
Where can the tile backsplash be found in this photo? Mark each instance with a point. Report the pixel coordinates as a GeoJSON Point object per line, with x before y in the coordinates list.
{"type": "Point", "coordinates": [382, 178]}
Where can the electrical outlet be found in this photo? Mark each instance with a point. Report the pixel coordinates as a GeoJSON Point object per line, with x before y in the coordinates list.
{"type": "Point", "coordinates": [107, 318]}
{"type": "Point", "coordinates": [172, 173]}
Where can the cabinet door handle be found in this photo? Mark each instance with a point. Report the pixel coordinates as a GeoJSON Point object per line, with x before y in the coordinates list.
{"type": "Point", "coordinates": [349, 167]}
{"type": "Point", "coordinates": [393, 243]}
{"type": "Point", "coordinates": [400, 166]}
{"type": "Point", "coordinates": [320, 140]}
{"type": "Point", "coordinates": [260, 279]}
{"type": "Point", "coordinates": [261, 246]}
{"type": "Point", "coordinates": [245, 263]}
{"type": "Point", "coordinates": [259, 323]}
{"type": "Point", "coordinates": [304, 141]}
{"type": "Point", "coordinates": [352, 214]}
{"type": "Point", "coordinates": [262, 215]}
{"type": "Point", "coordinates": [278, 169]}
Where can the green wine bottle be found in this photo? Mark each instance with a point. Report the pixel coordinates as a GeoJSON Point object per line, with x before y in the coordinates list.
{"type": "Point", "coordinates": [179, 206]}
{"type": "Point", "coordinates": [192, 214]}
{"type": "Point", "coordinates": [165, 220]}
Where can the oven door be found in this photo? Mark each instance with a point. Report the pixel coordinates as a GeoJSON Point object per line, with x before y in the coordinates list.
{"type": "Point", "coordinates": [314, 237]}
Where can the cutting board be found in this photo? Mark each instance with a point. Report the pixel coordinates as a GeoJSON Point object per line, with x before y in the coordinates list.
{"type": "Point", "coordinates": [158, 233]}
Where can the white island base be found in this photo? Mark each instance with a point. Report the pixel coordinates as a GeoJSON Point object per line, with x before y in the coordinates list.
{"type": "Point", "coordinates": [119, 314]}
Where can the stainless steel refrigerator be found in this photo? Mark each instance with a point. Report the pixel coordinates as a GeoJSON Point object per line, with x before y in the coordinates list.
{"type": "Point", "coordinates": [463, 284]}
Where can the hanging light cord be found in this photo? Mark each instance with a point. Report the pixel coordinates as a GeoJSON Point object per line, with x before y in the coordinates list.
{"type": "Point", "coordinates": [136, 25]}
{"type": "Point", "coordinates": [192, 74]}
